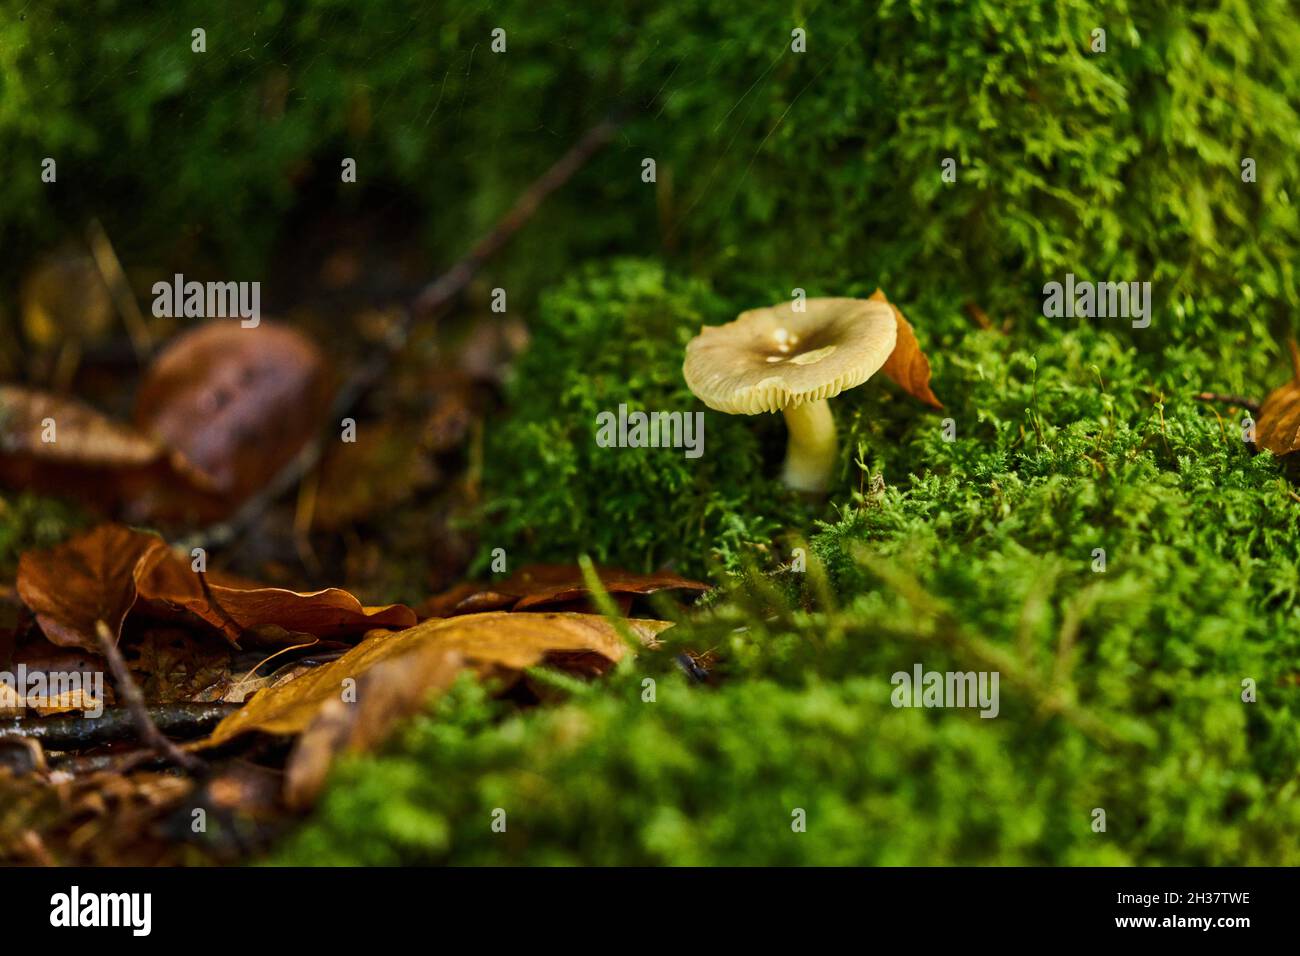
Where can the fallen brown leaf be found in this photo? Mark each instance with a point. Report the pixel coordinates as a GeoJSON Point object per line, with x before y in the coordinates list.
{"type": "Point", "coordinates": [106, 572]}
{"type": "Point", "coordinates": [46, 668]}
{"type": "Point", "coordinates": [907, 364]}
{"type": "Point", "coordinates": [392, 689]}
{"type": "Point", "coordinates": [57, 445]}
{"type": "Point", "coordinates": [168, 584]}
{"type": "Point", "coordinates": [89, 578]}
{"type": "Point", "coordinates": [40, 427]}
{"type": "Point", "coordinates": [494, 642]}
{"type": "Point", "coordinates": [1278, 426]}
{"type": "Point", "coordinates": [172, 664]}
{"type": "Point", "coordinates": [239, 403]}
{"type": "Point", "coordinates": [353, 702]}
{"type": "Point", "coordinates": [554, 587]}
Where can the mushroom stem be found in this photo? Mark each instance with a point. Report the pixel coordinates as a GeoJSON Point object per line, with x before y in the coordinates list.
{"type": "Point", "coordinates": [810, 453]}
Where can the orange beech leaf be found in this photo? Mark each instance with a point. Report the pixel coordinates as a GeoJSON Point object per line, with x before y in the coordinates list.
{"type": "Point", "coordinates": [168, 583]}
{"type": "Point", "coordinates": [396, 672]}
{"type": "Point", "coordinates": [554, 587]}
{"type": "Point", "coordinates": [907, 364]}
{"type": "Point", "coordinates": [1278, 426]}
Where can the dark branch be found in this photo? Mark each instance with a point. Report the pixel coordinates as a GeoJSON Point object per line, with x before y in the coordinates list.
{"type": "Point", "coordinates": [116, 723]}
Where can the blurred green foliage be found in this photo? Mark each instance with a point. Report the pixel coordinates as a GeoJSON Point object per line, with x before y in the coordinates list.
{"type": "Point", "coordinates": [775, 169]}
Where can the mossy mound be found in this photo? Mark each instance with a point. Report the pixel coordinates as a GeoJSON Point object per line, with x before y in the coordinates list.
{"type": "Point", "coordinates": [1122, 679]}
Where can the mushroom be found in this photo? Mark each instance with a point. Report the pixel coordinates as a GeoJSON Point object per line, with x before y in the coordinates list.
{"type": "Point", "coordinates": [792, 361]}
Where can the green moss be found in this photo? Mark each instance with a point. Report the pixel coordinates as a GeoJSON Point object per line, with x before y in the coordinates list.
{"type": "Point", "coordinates": [1120, 689]}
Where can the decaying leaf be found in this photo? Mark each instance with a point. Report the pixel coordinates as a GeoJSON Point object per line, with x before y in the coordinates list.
{"type": "Point", "coordinates": [395, 672]}
{"type": "Point", "coordinates": [554, 587]}
{"type": "Point", "coordinates": [219, 413]}
{"type": "Point", "coordinates": [54, 680]}
{"type": "Point", "coordinates": [172, 664]}
{"type": "Point", "coordinates": [907, 365]}
{"type": "Point", "coordinates": [392, 689]}
{"type": "Point", "coordinates": [40, 427]}
{"type": "Point", "coordinates": [57, 445]}
{"type": "Point", "coordinates": [90, 578]}
{"type": "Point", "coordinates": [64, 297]}
{"type": "Point", "coordinates": [168, 583]}
{"type": "Point", "coordinates": [239, 403]}
{"type": "Point", "coordinates": [495, 642]}
{"type": "Point", "coordinates": [1278, 426]}
{"type": "Point", "coordinates": [240, 687]}
{"type": "Point", "coordinates": [104, 573]}
{"type": "Point", "coordinates": [52, 701]}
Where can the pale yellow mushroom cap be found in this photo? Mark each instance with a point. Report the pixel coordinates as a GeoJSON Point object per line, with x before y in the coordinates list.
{"type": "Point", "coordinates": [774, 358]}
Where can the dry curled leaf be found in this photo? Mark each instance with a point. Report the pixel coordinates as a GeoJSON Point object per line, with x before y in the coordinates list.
{"type": "Point", "coordinates": [907, 365]}
{"type": "Point", "coordinates": [104, 573]}
{"type": "Point", "coordinates": [554, 587]}
{"type": "Point", "coordinates": [15, 703]}
{"type": "Point", "coordinates": [392, 690]}
{"type": "Point", "coordinates": [1278, 425]}
{"type": "Point", "coordinates": [169, 584]}
{"type": "Point", "coordinates": [57, 679]}
{"type": "Point", "coordinates": [57, 445]}
{"type": "Point", "coordinates": [239, 403]}
{"type": "Point", "coordinates": [91, 577]}
{"type": "Point", "coordinates": [495, 642]}
{"type": "Point", "coordinates": [40, 427]}
{"type": "Point", "coordinates": [395, 672]}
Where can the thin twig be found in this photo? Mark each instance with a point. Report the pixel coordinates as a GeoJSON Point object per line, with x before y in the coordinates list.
{"type": "Point", "coordinates": [110, 270]}
{"type": "Point", "coordinates": [126, 686]}
{"type": "Point", "coordinates": [428, 303]}
{"type": "Point", "coordinates": [442, 290]}
{"type": "Point", "coordinates": [1249, 404]}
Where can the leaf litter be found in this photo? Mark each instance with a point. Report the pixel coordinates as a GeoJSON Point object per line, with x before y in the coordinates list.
{"type": "Point", "coordinates": [300, 678]}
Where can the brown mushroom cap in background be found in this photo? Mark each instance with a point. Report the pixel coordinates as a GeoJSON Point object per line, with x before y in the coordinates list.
{"type": "Point", "coordinates": [769, 359]}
